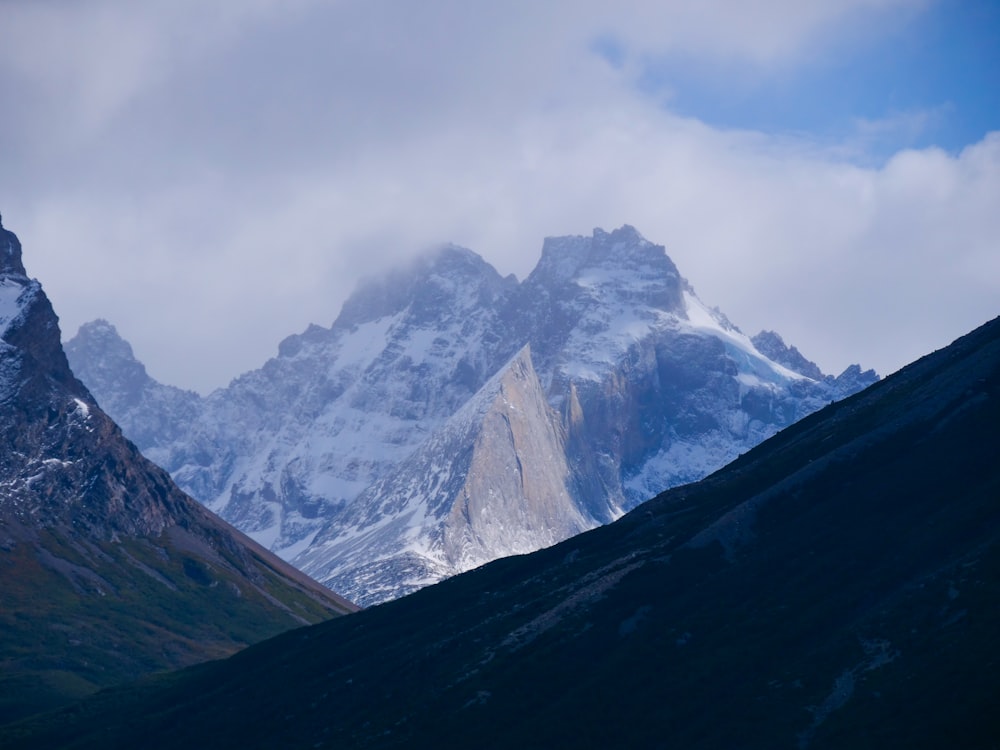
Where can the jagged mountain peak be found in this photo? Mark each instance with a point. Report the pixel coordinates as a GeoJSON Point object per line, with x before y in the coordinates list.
{"type": "Point", "coordinates": [102, 358]}
{"type": "Point", "coordinates": [591, 282]}
{"type": "Point", "coordinates": [590, 298]}
{"type": "Point", "coordinates": [445, 280]}
{"type": "Point", "coordinates": [30, 346]}
{"type": "Point", "coordinates": [54, 424]}
{"type": "Point", "coordinates": [10, 253]}
{"type": "Point", "coordinates": [444, 284]}
{"type": "Point", "coordinates": [772, 346]}
{"type": "Point", "coordinates": [623, 249]}
{"type": "Point", "coordinates": [106, 333]}
{"type": "Point", "coordinates": [853, 378]}
{"type": "Point", "coordinates": [101, 336]}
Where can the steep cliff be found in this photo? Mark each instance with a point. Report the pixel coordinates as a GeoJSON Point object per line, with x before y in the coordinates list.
{"type": "Point", "coordinates": [492, 481]}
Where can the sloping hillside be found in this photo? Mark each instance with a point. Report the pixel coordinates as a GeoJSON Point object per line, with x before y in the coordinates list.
{"type": "Point", "coordinates": [838, 586]}
{"type": "Point", "coordinates": [107, 570]}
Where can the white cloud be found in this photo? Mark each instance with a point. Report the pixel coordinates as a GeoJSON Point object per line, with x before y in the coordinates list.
{"type": "Point", "coordinates": [219, 197]}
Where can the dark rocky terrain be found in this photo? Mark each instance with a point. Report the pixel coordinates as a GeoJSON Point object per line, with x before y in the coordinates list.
{"type": "Point", "coordinates": [107, 570]}
{"type": "Point", "coordinates": [837, 586]}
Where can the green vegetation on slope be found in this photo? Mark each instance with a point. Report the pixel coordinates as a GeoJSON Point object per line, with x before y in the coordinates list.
{"type": "Point", "coordinates": [79, 614]}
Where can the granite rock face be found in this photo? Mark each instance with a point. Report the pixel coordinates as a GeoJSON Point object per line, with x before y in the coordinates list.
{"type": "Point", "coordinates": [492, 481]}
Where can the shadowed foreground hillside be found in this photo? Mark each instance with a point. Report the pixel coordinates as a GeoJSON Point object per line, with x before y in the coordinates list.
{"type": "Point", "coordinates": [838, 586]}
{"type": "Point", "coordinates": [107, 571]}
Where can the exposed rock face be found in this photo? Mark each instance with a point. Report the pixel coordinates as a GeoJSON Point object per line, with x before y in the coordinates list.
{"type": "Point", "coordinates": [650, 387]}
{"type": "Point", "coordinates": [772, 346]}
{"type": "Point", "coordinates": [98, 545]}
{"type": "Point", "coordinates": [656, 389]}
{"type": "Point", "coordinates": [517, 474]}
{"type": "Point", "coordinates": [493, 480]}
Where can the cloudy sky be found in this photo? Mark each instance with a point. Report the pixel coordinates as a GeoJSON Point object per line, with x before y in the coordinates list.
{"type": "Point", "coordinates": [213, 175]}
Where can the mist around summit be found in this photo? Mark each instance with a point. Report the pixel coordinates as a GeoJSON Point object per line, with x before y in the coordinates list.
{"type": "Point", "coordinates": [451, 415]}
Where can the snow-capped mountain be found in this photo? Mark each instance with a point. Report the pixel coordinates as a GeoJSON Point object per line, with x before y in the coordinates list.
{"type": "Point", "coordinates": [366, 452]}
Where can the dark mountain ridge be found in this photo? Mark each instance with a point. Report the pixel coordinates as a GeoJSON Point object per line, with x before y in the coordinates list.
{"type": "Point", "coordinates": [836, 586]}
{"type": "Point", "coordinates": [107, 570]}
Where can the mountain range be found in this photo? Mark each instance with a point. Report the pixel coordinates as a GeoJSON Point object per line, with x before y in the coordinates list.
{"type": "Point", "coordinates": [107, 570]}
{"type": "Point", "coordinates": [450, 415]}
{"type": "Point", "coordinates": [836, 586]}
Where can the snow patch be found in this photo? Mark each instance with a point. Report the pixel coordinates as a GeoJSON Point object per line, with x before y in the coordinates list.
{"type": "Point", "coordinates": [739, 346]}
{"type": "Point", "coordinates": [81, 408]}
{"type": "Point", "coordinates": [11, 304]}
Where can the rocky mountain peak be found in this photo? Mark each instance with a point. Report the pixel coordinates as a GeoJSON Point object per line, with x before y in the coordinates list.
{"type": "Point", "coordinates": [10, 253]}
{"type": "Point", "coordinates": [55, 431]}
{"type": "Point", "coordinates": [31, 355]}
{"type": "Point", "coordinates": [772, 346]}
{"type": "Point", "coordinates": [610, 267]}
{"type": "Point", "coordinates": [624, 243]}
{"type": "Point", "coordinates": [101, 336]}
{"type": "Point", "coordinates": [853, 378]}
{"type": "Point", "coordinates": [102, 358]}
{"type": "Point", "coordinates": [445, 280]}
{"type": "Point", "coordinates": [564, 257]}
{"type": "Point", "coordinates": [100, 332]}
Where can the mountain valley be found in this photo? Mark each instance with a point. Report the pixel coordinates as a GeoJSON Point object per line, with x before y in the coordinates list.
{"type": "Point", "coordinates": [836, 586]}
{"type": "Point", "coordinates": [342, 454]}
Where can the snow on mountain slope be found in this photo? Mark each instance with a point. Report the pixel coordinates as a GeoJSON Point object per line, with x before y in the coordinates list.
{"type": "Point", "coordinates": [313, 453]}
{"type": "Point", "coordinates": [492, 481]}
{"type": "Point", "coordinates": [284, 447]}
{"type": "Point", "coordinates": [753, 368]}
{"type": "Point", "coordinates": [10, 304]}
{"type": "Point", "coordinates": [662, 389]}
{"type": "Point", "coordinates": [591, 298]}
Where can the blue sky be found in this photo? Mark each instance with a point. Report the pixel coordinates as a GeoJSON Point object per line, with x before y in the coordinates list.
{"type": "Point", "coordinates": [214, 176]}
{"type": "Point", "coordinates": [928, 78]}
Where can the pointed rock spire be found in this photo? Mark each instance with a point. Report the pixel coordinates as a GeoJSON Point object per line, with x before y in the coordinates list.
{"type": "Point", "coordinates": [10, 253]}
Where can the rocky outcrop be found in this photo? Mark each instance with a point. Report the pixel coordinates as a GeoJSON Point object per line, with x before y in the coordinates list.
{"type": "Point", "coordinates": [517, 490]}
{"type": "Point", "coordinates": [772, 346]}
